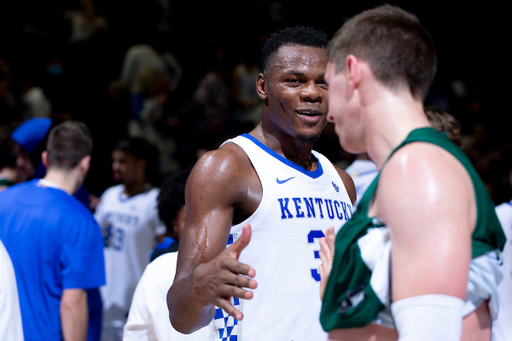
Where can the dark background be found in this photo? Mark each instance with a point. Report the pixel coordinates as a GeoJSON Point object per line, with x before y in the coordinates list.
{"type": "Point", "coordinates": [471, 42]}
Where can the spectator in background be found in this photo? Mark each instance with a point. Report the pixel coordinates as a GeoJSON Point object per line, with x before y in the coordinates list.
{"type": "Point", "coordinates": [148, 317]}
{"type": "Point", "coordinates": [148, 53]}
{"type": "Point", "coordinates": [127, 214]}
{"type": "Point", "coordinates": [247, 104]}
{"type": "Point", "coordinates": [53, 241]}
{"type": "Point", "coordinates": [152, 114]}
{"type": "Point", "coordinates": [10, 103]}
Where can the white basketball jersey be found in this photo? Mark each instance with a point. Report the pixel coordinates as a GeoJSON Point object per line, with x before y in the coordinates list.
{"type": "Point", "coordinates": [502, 328]}
{"type": "Point", "coordinates": [296, 208]}
{"type": "Point", "coordinates": [363, 172]}
{"type": "Point", "coordinates": [130, 226]}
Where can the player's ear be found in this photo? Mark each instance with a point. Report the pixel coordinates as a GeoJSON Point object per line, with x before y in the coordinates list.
{"type": "Point", "coordinates": [261, 86]}
{"type": "Point", "coordinates": [84, 164]}
{"type": "Point", "coordinates": [44, 158]}
{"type": "Point", "coordinates": [354, 71]}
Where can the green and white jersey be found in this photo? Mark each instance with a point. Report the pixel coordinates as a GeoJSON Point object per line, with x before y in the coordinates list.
{"type": "Point", "coordinates": [358, 290]}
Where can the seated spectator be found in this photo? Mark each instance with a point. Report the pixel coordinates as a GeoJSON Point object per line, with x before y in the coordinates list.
{"type": "Point", "coordinates": [127, 214]}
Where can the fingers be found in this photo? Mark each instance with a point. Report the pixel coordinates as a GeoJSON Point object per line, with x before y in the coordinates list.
{"type": "Point", "coordinates": [225, 304]}
{"type": "Point", "coordinates": [239, 245]}
{"type": "Point", "coordinates": [330, 237]}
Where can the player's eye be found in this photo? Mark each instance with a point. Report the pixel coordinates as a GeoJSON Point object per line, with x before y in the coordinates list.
{"type": "Point", "coordinates": [293, 80]}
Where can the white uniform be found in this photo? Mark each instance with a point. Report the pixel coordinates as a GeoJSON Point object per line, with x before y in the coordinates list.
{"type": "Point", "coordinates": [502, 327]}
{"type": "Point", "coordinates": [130, 226]}
{"type": "Point", "coordinates": [149, 317]}
{"type": "Point", "coordinates": [10, 316]}
{"type": "Point", "coordinates": [363, 172]}
{"type": "Point", "coordinates": [296, 208]}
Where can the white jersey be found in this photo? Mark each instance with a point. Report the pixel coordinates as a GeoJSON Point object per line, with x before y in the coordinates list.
{"type": "Point", "coordinates": [10, 316]}
{"type": "Point", "coordinates": [130, 226]}
{"type": "Point", "coordinates": [502, 328]}
{"type": "Point", "coordinates": [149, 318]}
{"type": "Point", "coordinates": [363, 172]}
{"type": "Point", "coordinates": [296, 208]}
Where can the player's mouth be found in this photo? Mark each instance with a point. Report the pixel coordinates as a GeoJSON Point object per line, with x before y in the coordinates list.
{"type": "Point", "coordinates": [310, 115]}
{"type": "Point", "coordinates": [116, 176]}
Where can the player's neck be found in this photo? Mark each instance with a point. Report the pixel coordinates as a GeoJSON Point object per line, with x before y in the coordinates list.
{"type": "Point", "coordinates": [136, 187]}
{"type": "Point", "coordinates": [286, 146]}
{"type": "Point", "coordinates": [67, 180]}
{"type": "Point", "coordinates": [390, 120]}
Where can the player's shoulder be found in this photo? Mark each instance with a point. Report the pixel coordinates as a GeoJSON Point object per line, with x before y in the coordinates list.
{"type": "Point", "coordinates": [419, 157]}
{"type": "Point", "coordinates": [229, 161]}
{"type": "Point", "coordinates": [112, 192]}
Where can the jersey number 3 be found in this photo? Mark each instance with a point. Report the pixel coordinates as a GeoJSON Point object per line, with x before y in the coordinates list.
{"type": "Point", "coordinates": [312, 235]}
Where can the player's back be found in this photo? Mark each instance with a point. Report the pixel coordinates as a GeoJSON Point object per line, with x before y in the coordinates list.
{"type": "Point", "coordinates": [42, 229]}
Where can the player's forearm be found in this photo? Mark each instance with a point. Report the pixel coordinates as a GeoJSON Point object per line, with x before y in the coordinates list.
{"type": "Point", "coordinates": [188, 311]}
{"type": "Point", "coordinates": [74, 315]}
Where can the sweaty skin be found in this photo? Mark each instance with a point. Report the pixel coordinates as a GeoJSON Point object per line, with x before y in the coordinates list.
{"type": "Point", "coordinates": [414, 197]}
{"type": "Point", "coordinates": [224, 181]}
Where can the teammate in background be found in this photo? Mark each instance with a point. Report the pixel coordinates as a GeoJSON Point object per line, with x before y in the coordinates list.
{"type": "Point", "coordinates": [363, 170]}
{"type": "Point", "coordinates": [128, 217]}
{"type": "Point", "coordinates": [172, 212]}
{"type": "Point", "coordinates": [501, 327]}
{"type": "Point", "coordinates": [431, 210]}
{"type": "Point", "coordinates": [148, 318]}
{"type": "Point", "coordinates": [53, 240]}
{"type": "Point", "coordinates": [269, 179]}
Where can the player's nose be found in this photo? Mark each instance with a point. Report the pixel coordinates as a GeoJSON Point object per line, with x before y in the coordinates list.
{"type": "Point", "coordinates": [312, 92]}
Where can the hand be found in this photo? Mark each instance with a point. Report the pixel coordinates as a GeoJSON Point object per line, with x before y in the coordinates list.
{"type": "Point", "coordinates": [327, 256]}
{"type": "Point", "coordinates": [224, 277]}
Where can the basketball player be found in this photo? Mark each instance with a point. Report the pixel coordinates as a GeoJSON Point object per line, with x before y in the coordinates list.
{"type": "Point", "coordinates": [430, 205]}
{"type": "Point", "coordinates": [148, 318]}
{"type": "Point", "coordinates": [274, 196]}
{"type": "Point", "coordinates": [54, 242]}
{"type": "Point", "coordinates": [129, 220]}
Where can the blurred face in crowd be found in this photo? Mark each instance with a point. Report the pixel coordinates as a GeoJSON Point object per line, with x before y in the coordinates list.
{"type": "Point", "coordinates": [24, 167]}
{"type": "Point", "coordinates": [179, 222]}
{"type": "Point", "coordinates": [126, 168]}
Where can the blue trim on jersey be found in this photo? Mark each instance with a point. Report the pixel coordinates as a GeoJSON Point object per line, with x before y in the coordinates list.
{"type": "Point", "coordinates": [509, 202]}
{"type": "Point", "coordinates": [315, 174]}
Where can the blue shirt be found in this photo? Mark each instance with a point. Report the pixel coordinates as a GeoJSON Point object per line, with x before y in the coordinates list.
{"type": "Point", "coordinates": [54, 244]}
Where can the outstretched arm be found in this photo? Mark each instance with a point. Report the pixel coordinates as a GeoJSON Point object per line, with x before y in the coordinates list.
{"type": "Point", "coordinates": [207, 273]}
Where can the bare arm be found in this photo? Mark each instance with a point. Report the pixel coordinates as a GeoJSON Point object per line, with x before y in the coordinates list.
{"type": "Point", "coordinates": [74, 314]}
{"type": "Point", "coordinates": [207, 273]}
{"type": "Point", "coordinates": [426, 198]}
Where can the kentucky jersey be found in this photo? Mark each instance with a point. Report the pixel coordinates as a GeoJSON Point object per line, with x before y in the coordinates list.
{"type": "Point", "coordinates": [296, 208]}
{"type": "Point", "coordinates": [130, 226]}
